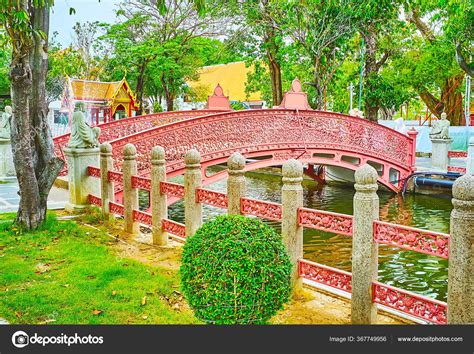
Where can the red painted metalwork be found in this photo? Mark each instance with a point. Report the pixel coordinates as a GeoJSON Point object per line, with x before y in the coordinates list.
{"type": "Point", "coordinates": [461, 170]}
{"type": "Point", "coordinates": [142, 217]}
{"type": "Point", "coordinates": [260, 208]}
{"type": "Point", "coordinates": [280, 133]}
{"type": "Point", "coordinates": [127, 126]}
{"type": "Point", "coordinates": [114, 176]}
{"type": "Point", "coordinates": [117, 209]}
{"type": "Point", "coordinates": [213, 198]}
{"type": "Point", "coordinates": [141, 183]}
{"type": "Point", "coordinates": [172, 189]}
{"type": "Point", "coordinates": [174, 228]}
{"type": "Point", "coordinates": [457, 154]}
{"type": "Point", "coordinates": [93, 171]}
{"type": "Point", "coordinates": [94, 200]}
{"type": "Point", "coordinates": [410, 238]}
{"type": "Point", "coordinates": [326, 221]}
{"type": "Point", "coordinates": [430, 310]}
{"type": "Point", "coordinates": [335, 278]}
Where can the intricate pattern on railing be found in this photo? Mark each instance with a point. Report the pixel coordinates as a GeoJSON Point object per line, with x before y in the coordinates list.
{"type": "Point", "coordinates": [322, 274]}
{"type": "Point", "coordinates": [412, 304]}
{"type": "Point", "coordinates": [457, 154]}
{"type": "Point", "coordinates": [213, 198]}
{"type": "Point", "coordinates": [429, 242]}
{"type": "Point", "coordinates": [173, 227]}
{"type": "Point", "coordinates": [142, 217]}
{"type": "Point", "coordinates": [325, 221]}
{"type": "Point", "coordinates": [172, 189]}
{"type": "Point", "coordinates": [114, 176]}
{"type": "Point", "coordinates": [275, 130]}
{"type": "Point", "coordinates": [266, 210]}
{"type": "Point", "coordinates": [93, 171]}
{"type": "Point", "coordinates": [461, 170]}
{"type": "Point", "coordinates": [94, 200]}
{"type": "Point", "coordinates": [141, 183]}
{"type": "Point", "coordinates": [117, 209]}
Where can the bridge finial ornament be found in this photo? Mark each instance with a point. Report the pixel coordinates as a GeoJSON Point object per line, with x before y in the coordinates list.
{"type": "Point", "coordinates": [295, 98]}
{"type": "Point", "coordinates": [218, 100]}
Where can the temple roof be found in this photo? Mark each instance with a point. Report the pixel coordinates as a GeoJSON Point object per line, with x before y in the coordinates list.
{"type": "Point", "coordinates": [85, 90]}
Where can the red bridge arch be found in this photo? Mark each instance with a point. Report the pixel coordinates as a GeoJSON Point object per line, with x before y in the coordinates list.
{"type": "Point", "coordinates": [317, 137]}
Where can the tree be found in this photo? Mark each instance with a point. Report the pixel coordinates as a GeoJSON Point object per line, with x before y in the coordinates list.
{"type": "Point", "coordinates": [434, 68]}
{"type": "Point", "coordinates": [25, 25]}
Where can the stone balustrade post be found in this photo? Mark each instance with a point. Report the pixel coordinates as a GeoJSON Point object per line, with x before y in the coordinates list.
{"type": "Point", "coordinates": [192, 181]}
{"type": "Point", "coordinates": [364, 248]}
{"type": "Point", "coordinates": [80, 183]}
{"type": "Point", "coordinates": [159, 206]}
{"type": "Point", "coordinates": [236, 184]}
{"type": "Point", "coordinates": [130, 194]}
{"type": "Point", "coordinates": [106, 187]}
{"type": "Point", "coordinates": [470, 157]}
{"type": "Point", "coordinates": [461, 253]}
{"type": "Point", "coordinates": [291, 200]}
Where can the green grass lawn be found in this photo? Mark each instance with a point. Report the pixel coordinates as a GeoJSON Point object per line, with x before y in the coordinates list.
{"type": "Point", "coordinates": [65, 273]}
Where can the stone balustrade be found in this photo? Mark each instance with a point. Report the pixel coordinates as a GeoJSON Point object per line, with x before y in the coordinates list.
{"type": "Point", "coordinates": [367, 232]}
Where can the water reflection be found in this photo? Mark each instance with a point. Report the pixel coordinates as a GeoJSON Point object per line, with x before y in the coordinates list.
{"type": "Point", "coordinates": [423, 274]}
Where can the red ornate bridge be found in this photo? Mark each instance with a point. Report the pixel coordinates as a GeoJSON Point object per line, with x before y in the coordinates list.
{"type": "Point", "coordinates": [271, 136]}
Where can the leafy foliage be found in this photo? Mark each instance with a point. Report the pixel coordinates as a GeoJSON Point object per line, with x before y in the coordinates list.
{"type": "Point", "coordinates": [235, 271]}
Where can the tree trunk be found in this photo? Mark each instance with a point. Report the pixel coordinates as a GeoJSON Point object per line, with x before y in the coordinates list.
{"type": "Point", "coordinates": [451, 100]}
{"type": "Point", "coordinates": [274, 66]}
{"type": "Point", "coordinates": [139, 90]}
{"type": "Point", "coordinates": [370, 68]}
{"type": "Point", "coordinates": [32, 144]}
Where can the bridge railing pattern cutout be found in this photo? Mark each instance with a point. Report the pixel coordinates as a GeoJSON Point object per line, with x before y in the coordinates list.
{"type": "Point", "coordinates": [403, 237]}
{"type": "Point", "coordinates": [316, 137]}
{"type": "Point", "coordinates": [128, 126]}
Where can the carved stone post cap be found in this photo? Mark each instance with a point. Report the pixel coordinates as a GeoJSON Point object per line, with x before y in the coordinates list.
{"type": "Point", "coordinates": [192, 157]}
{"type": "Point", "coordinates": [366, 174]}
{"type": "Point", "coordinates": [292, 169]}
{"type": "Point", "coordinates": [158, 153]}
{"type": "Point", "coordinates": [463, 188]}
{"type": "Point", "coordinates": [129, 150]}
{"type": "Point", "coordinates": [236, 161]}
{"type": "Point", "coordinates": [105, 148]}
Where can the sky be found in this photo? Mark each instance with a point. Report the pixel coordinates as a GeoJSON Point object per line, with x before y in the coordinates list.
{"type": "Point", "coordinates": [86, 10]}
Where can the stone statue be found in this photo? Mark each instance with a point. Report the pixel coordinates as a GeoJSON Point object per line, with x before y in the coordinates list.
{"type": "Point", "coordinates": [5, 123]}
{"type": "Point", "coordinates": [82, 135]}
{"type": "Point", "coordinates": [440, 128]}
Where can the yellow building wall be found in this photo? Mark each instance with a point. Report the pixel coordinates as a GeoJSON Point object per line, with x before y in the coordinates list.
{"type": "Point", "coordinates": [231, 77]}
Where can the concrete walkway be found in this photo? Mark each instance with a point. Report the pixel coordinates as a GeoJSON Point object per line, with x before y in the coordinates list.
{"type": "Point", "coordinates": [9, 198]}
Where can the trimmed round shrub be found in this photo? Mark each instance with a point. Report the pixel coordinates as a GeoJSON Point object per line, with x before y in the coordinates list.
{"type": "Point", "coordinates": [235, 270]}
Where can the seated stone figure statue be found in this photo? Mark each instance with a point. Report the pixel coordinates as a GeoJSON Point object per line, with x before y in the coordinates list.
{"type": "Point", "coordinates": [440, 128]}
{"type": "Point", "coordinates": [82, 135]}
{"type": "Point", "coordinates": [5, 123]}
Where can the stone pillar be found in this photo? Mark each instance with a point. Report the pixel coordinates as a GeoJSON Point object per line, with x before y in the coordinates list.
{"type": "Point", "coordinates": [364, 249]}
{"type": "Point", "coordinates": [80, 184]}
{"type": "Point", "coordinates": [439, 153]}
{"type": "Point", "coordinates": [159, 206]}
{"type": "Point", "coordinates": [130, 194]}
{"type": "Point", "coordinates": [192, 181]}
{"type": "Point", "coordinates": [470, 157]}
{"type": "Point", "coordinates": [461, 253]}
{"type": "Point", "coordinates": [7, 169]}
{"type": "Point", "coordinates": [236, 186]}
{"type": "Point", "coordinates": [106, 187]}
{"type": "Point", "coordinates": [412, 133]}
{"type": "Point", "coordinates": [291, 200]}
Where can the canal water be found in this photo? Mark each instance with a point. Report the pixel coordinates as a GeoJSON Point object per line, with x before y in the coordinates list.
{"type": "Point", "coordinates": [422, 274]}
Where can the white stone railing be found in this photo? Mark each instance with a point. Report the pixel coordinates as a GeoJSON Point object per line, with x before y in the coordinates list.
{"type": "Point", "coordinates": [366, 230]}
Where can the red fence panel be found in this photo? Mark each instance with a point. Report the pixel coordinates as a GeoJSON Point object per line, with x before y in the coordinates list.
{"type": "Point", "coordinates": [266, 210]}
{"type": "Point", "coordinates": [326, 221]}
{"type": "Point", "coordinates": [174, 228]}
{"type": "Point", "coordinates": [213, 198]}
{"type": "Point", "coordinates": [172, 189]}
